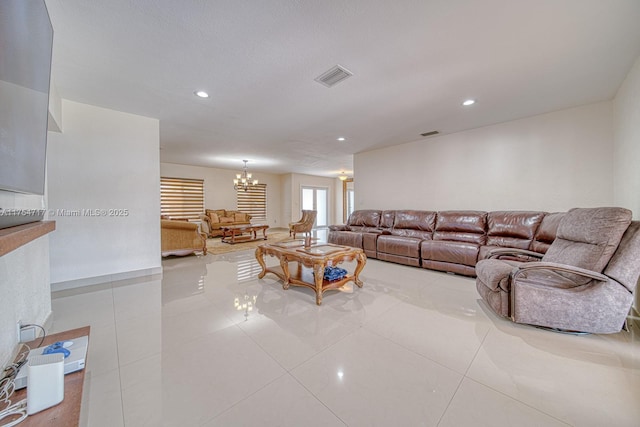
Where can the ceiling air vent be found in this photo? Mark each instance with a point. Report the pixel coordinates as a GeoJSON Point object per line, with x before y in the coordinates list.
{"type": "Point", "coordinates": [433, 132]}
{"type": "Point", "coordinates": [333, 76]}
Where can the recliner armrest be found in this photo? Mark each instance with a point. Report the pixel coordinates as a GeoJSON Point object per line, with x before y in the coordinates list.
{"type": "Point", "coordinates": [498, 252]}
{"type": "Point", "coordinates": [338, 228]}
{"type": "Point", "coordinates": [564, 268]}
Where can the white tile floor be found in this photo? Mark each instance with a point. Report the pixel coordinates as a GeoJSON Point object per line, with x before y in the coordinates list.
{"type": "Point", "coordinates": [413, 347]}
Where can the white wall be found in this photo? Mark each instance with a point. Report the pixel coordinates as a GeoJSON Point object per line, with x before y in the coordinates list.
{"type": "Point", "coordinates": [626, 160]}
{"type": "Point", "coordinates": [104, 160]}
{"type": "Point", "coordinates": [549, 162]}
{"type": "Point", "coordinates": [25, 294]}
{"type": "Point", "coordinates": [218, 187]}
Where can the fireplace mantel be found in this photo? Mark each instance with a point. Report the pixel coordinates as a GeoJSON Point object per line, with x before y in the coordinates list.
{"type": "Point", "coordinates": [13, 237]}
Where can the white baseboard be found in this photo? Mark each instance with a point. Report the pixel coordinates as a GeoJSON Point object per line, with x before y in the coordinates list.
{"type": "Point", "coordinates": [107, 278]}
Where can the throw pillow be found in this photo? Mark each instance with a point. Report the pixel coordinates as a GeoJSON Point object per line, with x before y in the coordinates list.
{"type": "Point", "coordinates": [224, 219]}
{"type": "Point", "coordinates": [240, 217]}
{"type": "Point", "coordinates": [214, 218]}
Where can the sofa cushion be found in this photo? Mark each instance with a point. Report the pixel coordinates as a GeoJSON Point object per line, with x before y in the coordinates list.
{"type": "Point", "coordinates": [388, 217]}
{"type": "Point", "coordinates": [447, 251]}
{"type": "Point", "coordinates": [240, 217]}
{"type": "Point", "coordinates": [512, 229]}
{"type": "Point", "coordinates": [413, 223]}
{"type": "Point", "coordinates": [226, 219]}
{"type": "Point", "coordinates": [461, 226]}
{"type": "Point", "coordinates": [495, 274]}
{"type": "Point", "coordinates": [214, 217]}
{"type": "Point", "coordinates": [364, 218]}
{"type": "Point", "coordinates": [345, 238]}
{"type": "Point", "coordinates": [546, 233]}
{"type": "Point", "coordinates": [397, 245]}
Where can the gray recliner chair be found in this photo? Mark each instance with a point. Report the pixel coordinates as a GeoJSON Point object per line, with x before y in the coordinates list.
{"type": "Point", "coordinates": [585, 282]}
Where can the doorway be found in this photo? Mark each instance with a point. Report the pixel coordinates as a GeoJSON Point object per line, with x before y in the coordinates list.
{"type": "Point", "coordinates": [317, 199]}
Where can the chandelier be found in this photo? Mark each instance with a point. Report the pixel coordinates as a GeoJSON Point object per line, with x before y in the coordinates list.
{"type": "Point", "coordinates": [243, 180]}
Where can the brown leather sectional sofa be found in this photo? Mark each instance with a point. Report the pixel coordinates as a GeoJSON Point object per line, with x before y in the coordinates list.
{"type": "Point", "coordinates": [451, 241]}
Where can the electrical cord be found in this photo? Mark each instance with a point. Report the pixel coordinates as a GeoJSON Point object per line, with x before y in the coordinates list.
{"type": "Point", "coordinates": [44, 333]}
{"type": "Point", "coordinates": [18, 409]}
{"type": "Point", "coordinates": [7, 385]}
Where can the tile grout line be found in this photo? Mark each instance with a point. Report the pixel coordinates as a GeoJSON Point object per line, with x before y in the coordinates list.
{"type": "Point", "coordinates": [115, 327]}
{"type": "Point", "coordinates": [498, 391]}
{"type": "Point", "coordinates": [464, 375]}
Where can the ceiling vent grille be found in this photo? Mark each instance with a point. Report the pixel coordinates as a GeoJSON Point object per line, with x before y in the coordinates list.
{"type": "Point", "coordinates": [433, 132]}
{"type": "Point", "coordinates": [333, 76]}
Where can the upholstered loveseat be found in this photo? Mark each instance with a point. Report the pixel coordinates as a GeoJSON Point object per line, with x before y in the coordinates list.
{"type": "Point", "coordinates": [451, 241]}
{"type": "Point", "coordinates": [214, 219]}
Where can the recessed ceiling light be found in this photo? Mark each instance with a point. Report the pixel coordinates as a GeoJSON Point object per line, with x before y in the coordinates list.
{"type": "Point", "coordinates": [341, 138]}
{"type": "Point", "coordinates": [469, 102]}
{"type": "Point", "coordinates": [201, 94]}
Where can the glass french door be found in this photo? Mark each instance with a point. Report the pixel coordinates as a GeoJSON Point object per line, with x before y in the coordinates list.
{"type": "Point", "coordinates": [317, 198]}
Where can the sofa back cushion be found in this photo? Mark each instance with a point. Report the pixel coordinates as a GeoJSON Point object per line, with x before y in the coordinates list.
{"type": "Point", "coordinates": [587, 238]}
{"type": "Point", "coordinates": [410, 223]}
{"type": "Point", "coordinates": [388, 217]}
{"type": "Point", "coordinates": [364, 220]}
{"type": "Point", "coordinates": [512, 229]}
{"type": "Point", "coordinates": [461, 226]}
{"type": "Point", "coordinates": [240, 217]}
{"type": "Point", "coordinates": [546, 233]}
{"type": "Point", "coordinates": [215, 214]}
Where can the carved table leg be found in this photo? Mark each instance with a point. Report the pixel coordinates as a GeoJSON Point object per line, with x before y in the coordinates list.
{"type": "Point", "coordinates": [318, 270]}
{"type": "Point", "coordinates": [362, 260]}
{"type": "Point", "coordinates": [284, 264]}
{"type": "Point", "coordinates": [260, 259]}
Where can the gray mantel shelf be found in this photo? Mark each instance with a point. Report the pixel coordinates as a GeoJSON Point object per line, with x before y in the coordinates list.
{"type": "Point", "coordinates": [13, 237]}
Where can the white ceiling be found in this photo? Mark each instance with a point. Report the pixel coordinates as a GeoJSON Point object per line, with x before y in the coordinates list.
{"type": "Point", "coordinates": [414, 62]}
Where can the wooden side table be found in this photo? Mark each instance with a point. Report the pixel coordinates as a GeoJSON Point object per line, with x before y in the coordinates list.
{"type": "Point", "coordinates": [67, 412]}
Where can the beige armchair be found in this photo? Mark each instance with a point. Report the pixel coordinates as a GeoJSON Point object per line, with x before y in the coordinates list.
{"type": "Point", "coordinates": [181, 238]}
{"type": "Point", "coordinates": [304, 225]}
{"type": "Point", "coordinates": [584, 283]}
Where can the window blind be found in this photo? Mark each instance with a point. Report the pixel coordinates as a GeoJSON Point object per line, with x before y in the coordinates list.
{"type": "Point", "coordinates": [181, 198]}
{"type": "Point", "coordinates": [254, 202]}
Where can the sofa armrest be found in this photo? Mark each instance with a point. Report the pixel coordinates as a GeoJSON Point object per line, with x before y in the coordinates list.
{"type": "Point", "coordinates": [498, 252]}
{"type": "Point", "coordinates": [552, 266]}
{"type": "Point", "coordinates": [178, 225]}
{"type": "Point", "coordinates": [337, 228]}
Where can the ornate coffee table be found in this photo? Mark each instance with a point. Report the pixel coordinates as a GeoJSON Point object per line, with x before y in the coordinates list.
{"type": "Point", "coordinates": [311, 262]}
{"type": "Point", "coordinates": [235, 233]}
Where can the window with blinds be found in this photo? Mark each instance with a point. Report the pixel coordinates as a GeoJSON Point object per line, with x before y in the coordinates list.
{"type": "Point", "coordinates": [254, 202]}
{"type": "Point", "coordinates": [181, 198]}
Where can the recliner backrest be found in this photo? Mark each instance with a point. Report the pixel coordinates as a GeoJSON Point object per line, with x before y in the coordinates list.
{"type": "Point", "coordinates": [414, 223]}
{"type": "Point", "coordinates": [364, 220]}
{"type": "Point", "coordinates": [461, 226]}
{"type": "Point", "coordinates": [624, 266]}
{"type": "Point", "coordinates": [587, 238]}
{"type": "Point", "coordinates": [546, 233]}
{"type": "Point", "coordinates": [512, 229]}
